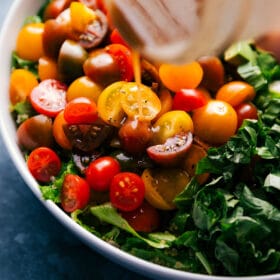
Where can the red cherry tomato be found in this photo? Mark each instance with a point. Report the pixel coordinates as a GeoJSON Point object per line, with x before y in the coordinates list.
{"type": "Point", "coordinates": [80, 110]}
{"type": "Point", "coordinates": [43, 163]}
{"type": "Point", "coordinates": [101, 171]}
{"type": "Point", "coordinates": [246, 111]}
{"type": "Point", "coordinates": [144, 219]}
{"type": "Point", "coordinates": [49, 97]}
{"type": "Point", "coordinates": [127, 191]}
{"type": "Point", "coordinates": [75, 193]}
{"type": "Point", "coordinates": [116, 38]}
{"type": "Point", "coordinates": [188, 100]}
{"type": "Point", "coordinates": [123, 56]}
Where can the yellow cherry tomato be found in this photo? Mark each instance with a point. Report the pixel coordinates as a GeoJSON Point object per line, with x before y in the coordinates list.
{"type": "Point", "coordinates": [170, 124]}
{"type": "Point", "coordinates": [47, 68]}
{"type": "Point", "coordinates": [236, 92]}
{"type": "Point", "coordinates": [215, 122]}
{"type": "Point", "coordinates": [21, 84]}
{"type": "Point", "coordinates": [140, 102]}
{"type": "Point", "coordinates": [109, 104]}
{"type": "Point", "coordinates": [83, 87]}
{"type": "Point", "coordinates": [163, 185]}
{"type": "Point", "coordinates": [29, 43]}
{"type": "Point", "coordinates": [176, 77]}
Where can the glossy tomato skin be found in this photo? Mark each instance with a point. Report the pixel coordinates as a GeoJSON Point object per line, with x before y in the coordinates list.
{"type": "Point", "coordinates": [145, 218]}
{"type": "Point", "coordinates": [246, 111]}
{"type": "Point", "coordinates": [35, 132]}
{"type": "Point", "coordinates": [127, 191]}
{"type": "Point", "coordinates": [80, 110]}
{"type": "Point", "coordinates": [75, 193]}
{"type": "Point", "coordinates": [55, 7]}
{"type": "Point", "coordinates": [188, 100]}
{"type": "Point", "coordinates": [49, 97]}
{"type": "Point", "coordinates": [43, 163]}
{"type": "Point", "coordinates": [101, 171]}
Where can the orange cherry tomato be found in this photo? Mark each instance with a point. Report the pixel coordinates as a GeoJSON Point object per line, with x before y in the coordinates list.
{"type": "Point", "coordinates": [22, 83]}
{"type": "Point", "coordinates": [215, 122]}
{"type": "Point", "coordinates": [29, 43]}
{"type": "Point", "coordinates": [176, 77]}
{"type": "Point", "coordinates": [47, 68]}
{"type": "Point", "coordinates": [43, 163]}
{"type": "Point", "coordinates": [83, 87]}
{"type": "Point", "coordinates": [236, 92]}
{"type": "Point", "coordinates": [58, 132]}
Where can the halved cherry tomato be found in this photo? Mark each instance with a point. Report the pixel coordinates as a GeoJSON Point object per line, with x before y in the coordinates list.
{"type": "Point", "coordinates": [109, 104]}
{"type": "Point", "coordinates": [215, 122]}
{"type": "Point", "coordinates": [188, 99]}
{"type": "Point", "coordinates": [47, 68]}
{"type": "Point", "coordinates": [22, 83]}
{"type": "Point", "coordinates": [49, 97]}
{"type": "Point", "coordinates": [177, 77]}
{"type": "Point", "coordinates": [170, 152]}
{"type": "Point", "coordinates": [80, 110]}
{"type": "Point", "coordinates": [236, 92]}
{"type": "Point", "coordinates": [246, 111]}
{"type": "Point", "coordinates": [83, 87]}
{"type": "Point", "coordinates": [43, 163]}
{"type": "Point", "coordinates": [30, 35]}
{"type": "Point", "coordinates": [123, 57]}
{"type": "Point", "coordinates": [116, 38]}
{"type": "Point", "coordinates": [127, 191]}
{"type": "Point", "coordinates": [34, 132]}
{"type": "Point", "coordinates": [75, 193]}
{"type": "Point", "coordinates": [58, 132]}
{"type": "Point", "coordinates": [163, 185]}
{"type": "Point", "coordinates": [143, 219]}
{"type": "Point", "coordinates": [170, 124]}
{"type": "Point", "coordinates": [135, 136]}
{"type": "Point", "coordinates": [140, 102]}
{"type": "Point", "coordinates": [101, 171]}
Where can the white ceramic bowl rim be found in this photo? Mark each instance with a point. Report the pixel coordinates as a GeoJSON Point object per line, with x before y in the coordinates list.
{"type": "Point", "coordinates": [18, 12]}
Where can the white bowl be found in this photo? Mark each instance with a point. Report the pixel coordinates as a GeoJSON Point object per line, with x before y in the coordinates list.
{"type": "Point", "coordinates": [18, 12]}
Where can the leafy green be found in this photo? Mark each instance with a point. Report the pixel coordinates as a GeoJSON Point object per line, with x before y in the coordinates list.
{"type": "Point", "coordinates": [19, 63]}
{"type": "Point", "coordinates": [22, 111]}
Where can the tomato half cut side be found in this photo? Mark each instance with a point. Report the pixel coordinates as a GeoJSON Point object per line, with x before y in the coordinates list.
{"type": "Point", "coordinates": [127, 191]}
{"type": "Point", "coordinates": [43, 163]}
{"type": "Point", "coordinates": [49, 97]}
{"type": "Point", "coordinates": [75, 193]}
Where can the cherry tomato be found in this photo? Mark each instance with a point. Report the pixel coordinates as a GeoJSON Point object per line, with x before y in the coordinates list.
{"type": "Point", "coordinates": [215, 122]}
{"type": "Point", "coordinates": [109, 104]}
{"type": "Point", "coordinates": [135, 136]}
{"type": "Point", "coordinates": [116, 38]}
{"type": "Point", "coordinates": [170, 124]}
{"type": "Point", "coordinates": [83, 87]}
{"type": "Point", "coordinates": [80, 110]}
{"type": "Point", "coordinates": [127, 191]}
{"type": "Point", "coordinates": [43, 163]}
{"type": "Point", "coordinates": [22, 83]}
{"type": "Point", "coordinates": [101, 171]}
{"type": "Point", "coordinates": [170, 152]}
{"type": "Point", "coordinates": [177, 77]}
{"type": "Point", "coordinates": [163, 185]}
{"type": "Point", "coordinates": [236, 92]}
{"type": "Point", "coordinates": [140, 102]}
{"type": "Point", "coordinates": [213, 72]}
{"type": "Point", "coordinates": [49, 97]}
{"type": "Point", "coordinates": [35, 132]}
{"type": "Point", "coordinates": [246, 111]}
{"type": "Point", "coordinates": [166, 101]}
{"type": "Point", "coordinates": [54, 8]}
{"type": "Point", "coordinates": [188, 100]}
{"type": "Point", "coordinates": [30, 35]}
{"type": "Point", "coordinates": [123, 57]}
{"type": "Point", "coordinates": [58, 132]}
{"type": "Point", "coordinates": [75, 193]}
{"type": "Point", "coordinates": [143, 219]}
{"type": "Point", "coordinates": [47, 68]}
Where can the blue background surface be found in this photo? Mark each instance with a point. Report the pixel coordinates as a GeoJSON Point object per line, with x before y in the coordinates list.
{"type": "Point", "coordinates": [33, 244]}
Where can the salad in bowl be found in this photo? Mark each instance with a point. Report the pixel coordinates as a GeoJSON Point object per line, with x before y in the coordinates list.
{"type": "Point", "coordinates": [171, 169]}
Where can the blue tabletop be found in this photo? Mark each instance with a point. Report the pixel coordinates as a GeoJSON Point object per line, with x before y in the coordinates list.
{"type": "Point", "coordinates": [33, 244]}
